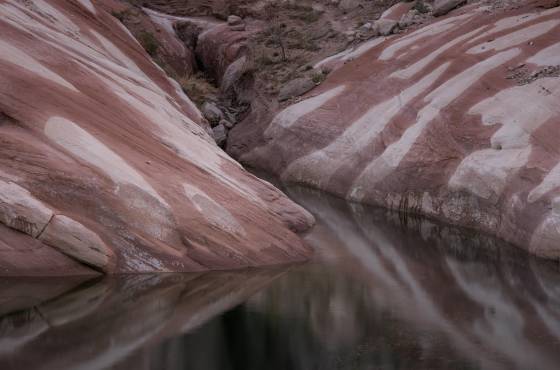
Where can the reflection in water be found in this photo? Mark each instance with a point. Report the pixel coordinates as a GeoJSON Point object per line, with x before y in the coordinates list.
{"type": "Point", "coordinates": [384, 292]}
{"type": "Point", "coordinates": [102, 323]}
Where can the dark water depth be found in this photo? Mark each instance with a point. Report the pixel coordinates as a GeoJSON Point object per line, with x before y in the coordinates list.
{"type": "Point", "coordinates": [383, 292]}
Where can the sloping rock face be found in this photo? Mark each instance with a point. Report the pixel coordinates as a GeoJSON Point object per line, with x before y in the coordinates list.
{"type": "Point", "coordinates": [221, 46]}
{"type": "Point", "coordinates": [457, 120]}
{"type": "Point", "coordinates": [156, 32]}
{"type": "Point", "coordinates": [102, 160]}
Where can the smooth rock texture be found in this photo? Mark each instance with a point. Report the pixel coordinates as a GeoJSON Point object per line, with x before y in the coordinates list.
{"type": "Point", "coordinates": [220, 134]}
{"type": "Point", "coordinates": [212, 113]}
{"type": "Point", "coordinates": [234, 74]}
{"type": "Point", "coordinates": [385, 27]}
{"type": "Point", "coordinates": [432, 122]}
{"type": "Point", "coordinates": [395, 12]}
{"type": "Point", "coordinates": [75, 240]}
{"type": "Point", "coordinates": [348, 5]}
{"type": "Point", "coordinates": [222, 45]}
{"type": "Point", "coordinates": [21, 255]}
{"type": "Point", "coordinates": [98, 149]}
{"type": "Point", "coordinates": [442, 7]}
{"type": "Point", "coordinates": [234, 20]}
{"type": "Point", "coordinates": [295, 88]}
{"type": "Point", "coordinates": [238, 27]}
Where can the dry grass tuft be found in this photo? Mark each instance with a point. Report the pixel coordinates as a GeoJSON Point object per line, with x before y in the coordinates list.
{"type": "Point", "coordinates": [198, 88]}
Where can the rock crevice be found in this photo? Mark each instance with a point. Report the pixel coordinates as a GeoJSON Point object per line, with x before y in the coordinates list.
{"type": "Point", "coordinates": [456, 120]}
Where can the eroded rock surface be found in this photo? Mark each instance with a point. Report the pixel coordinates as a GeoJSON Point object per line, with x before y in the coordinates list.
{"type": "Point", "coordinates": [442, 7]}
{"type": "Point", "coordinates": [429, 122]}
{"type": "Point", "coordinates": [103, 159]}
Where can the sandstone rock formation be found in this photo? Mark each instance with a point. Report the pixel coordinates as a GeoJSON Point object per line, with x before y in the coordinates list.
{"type": "Point", "coordinates": [157, 33]}
{"type": "Point", "coordinates": [442, 7]}
{"type": "Point", "coordinates": [389, 21]}
{"type": "Point", "coordinates": [385, 27]}
{"type": "Point", "coordinates": [438, 122]}
{"type": "Point", "coordinates": [103, 160]}
{"type": "Point", "coordinates": [296, 87]}
{"type": "Point", "coordinates": [249, 50]}
{"type": "Point", "coordinates": [221, 46]}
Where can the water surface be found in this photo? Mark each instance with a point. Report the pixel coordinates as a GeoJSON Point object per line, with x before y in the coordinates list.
{"type": "Point", "coordinates": [384, 291]}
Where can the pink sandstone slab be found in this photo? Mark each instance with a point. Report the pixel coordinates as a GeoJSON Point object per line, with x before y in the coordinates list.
{"type": "Point", "coordinates": [457, 120]}
{"type": "Point", "coordinates": [107, 164]}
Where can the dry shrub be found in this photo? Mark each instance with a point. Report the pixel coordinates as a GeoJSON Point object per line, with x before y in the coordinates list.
{"type": "Point", "coordinates": [198, 88]}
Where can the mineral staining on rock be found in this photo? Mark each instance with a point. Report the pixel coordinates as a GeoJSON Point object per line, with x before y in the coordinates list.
{"type": "Point", "coordinates": [434, 122]}
{"type": "Point", "coordinates": [104, 159]}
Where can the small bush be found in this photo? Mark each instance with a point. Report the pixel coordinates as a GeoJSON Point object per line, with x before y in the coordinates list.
{"type": "Point", "coordinates": [119, 15]}
{"type": "Point", "coordinates": [421, 7]}
{"type": "Point", "coordinates": [198, 88]}
{"type": "Point", "coordinates": [308, 17]}
{"type": "Point", "coordinates": [325, 70]}
{"type": "Point", "coordinates": [302, 41]}
{"type": "Point", "coordinates": [303, 44]}
{"type": "Point", "coordinates": [149, 43]}
{"type": "Point", "coordinates": [318, 77]}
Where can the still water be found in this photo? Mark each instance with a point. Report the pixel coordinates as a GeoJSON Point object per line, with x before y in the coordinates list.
{"type": "Point", "coordinates": [382, 292]}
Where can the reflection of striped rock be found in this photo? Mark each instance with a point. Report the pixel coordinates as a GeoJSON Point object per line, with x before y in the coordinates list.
{"type": "Point", "coordinates": [439, 121]}
{"type": "Point", "coordinates": [433, 269]}
{"type": "Point", "coordinates": [100, 153]}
